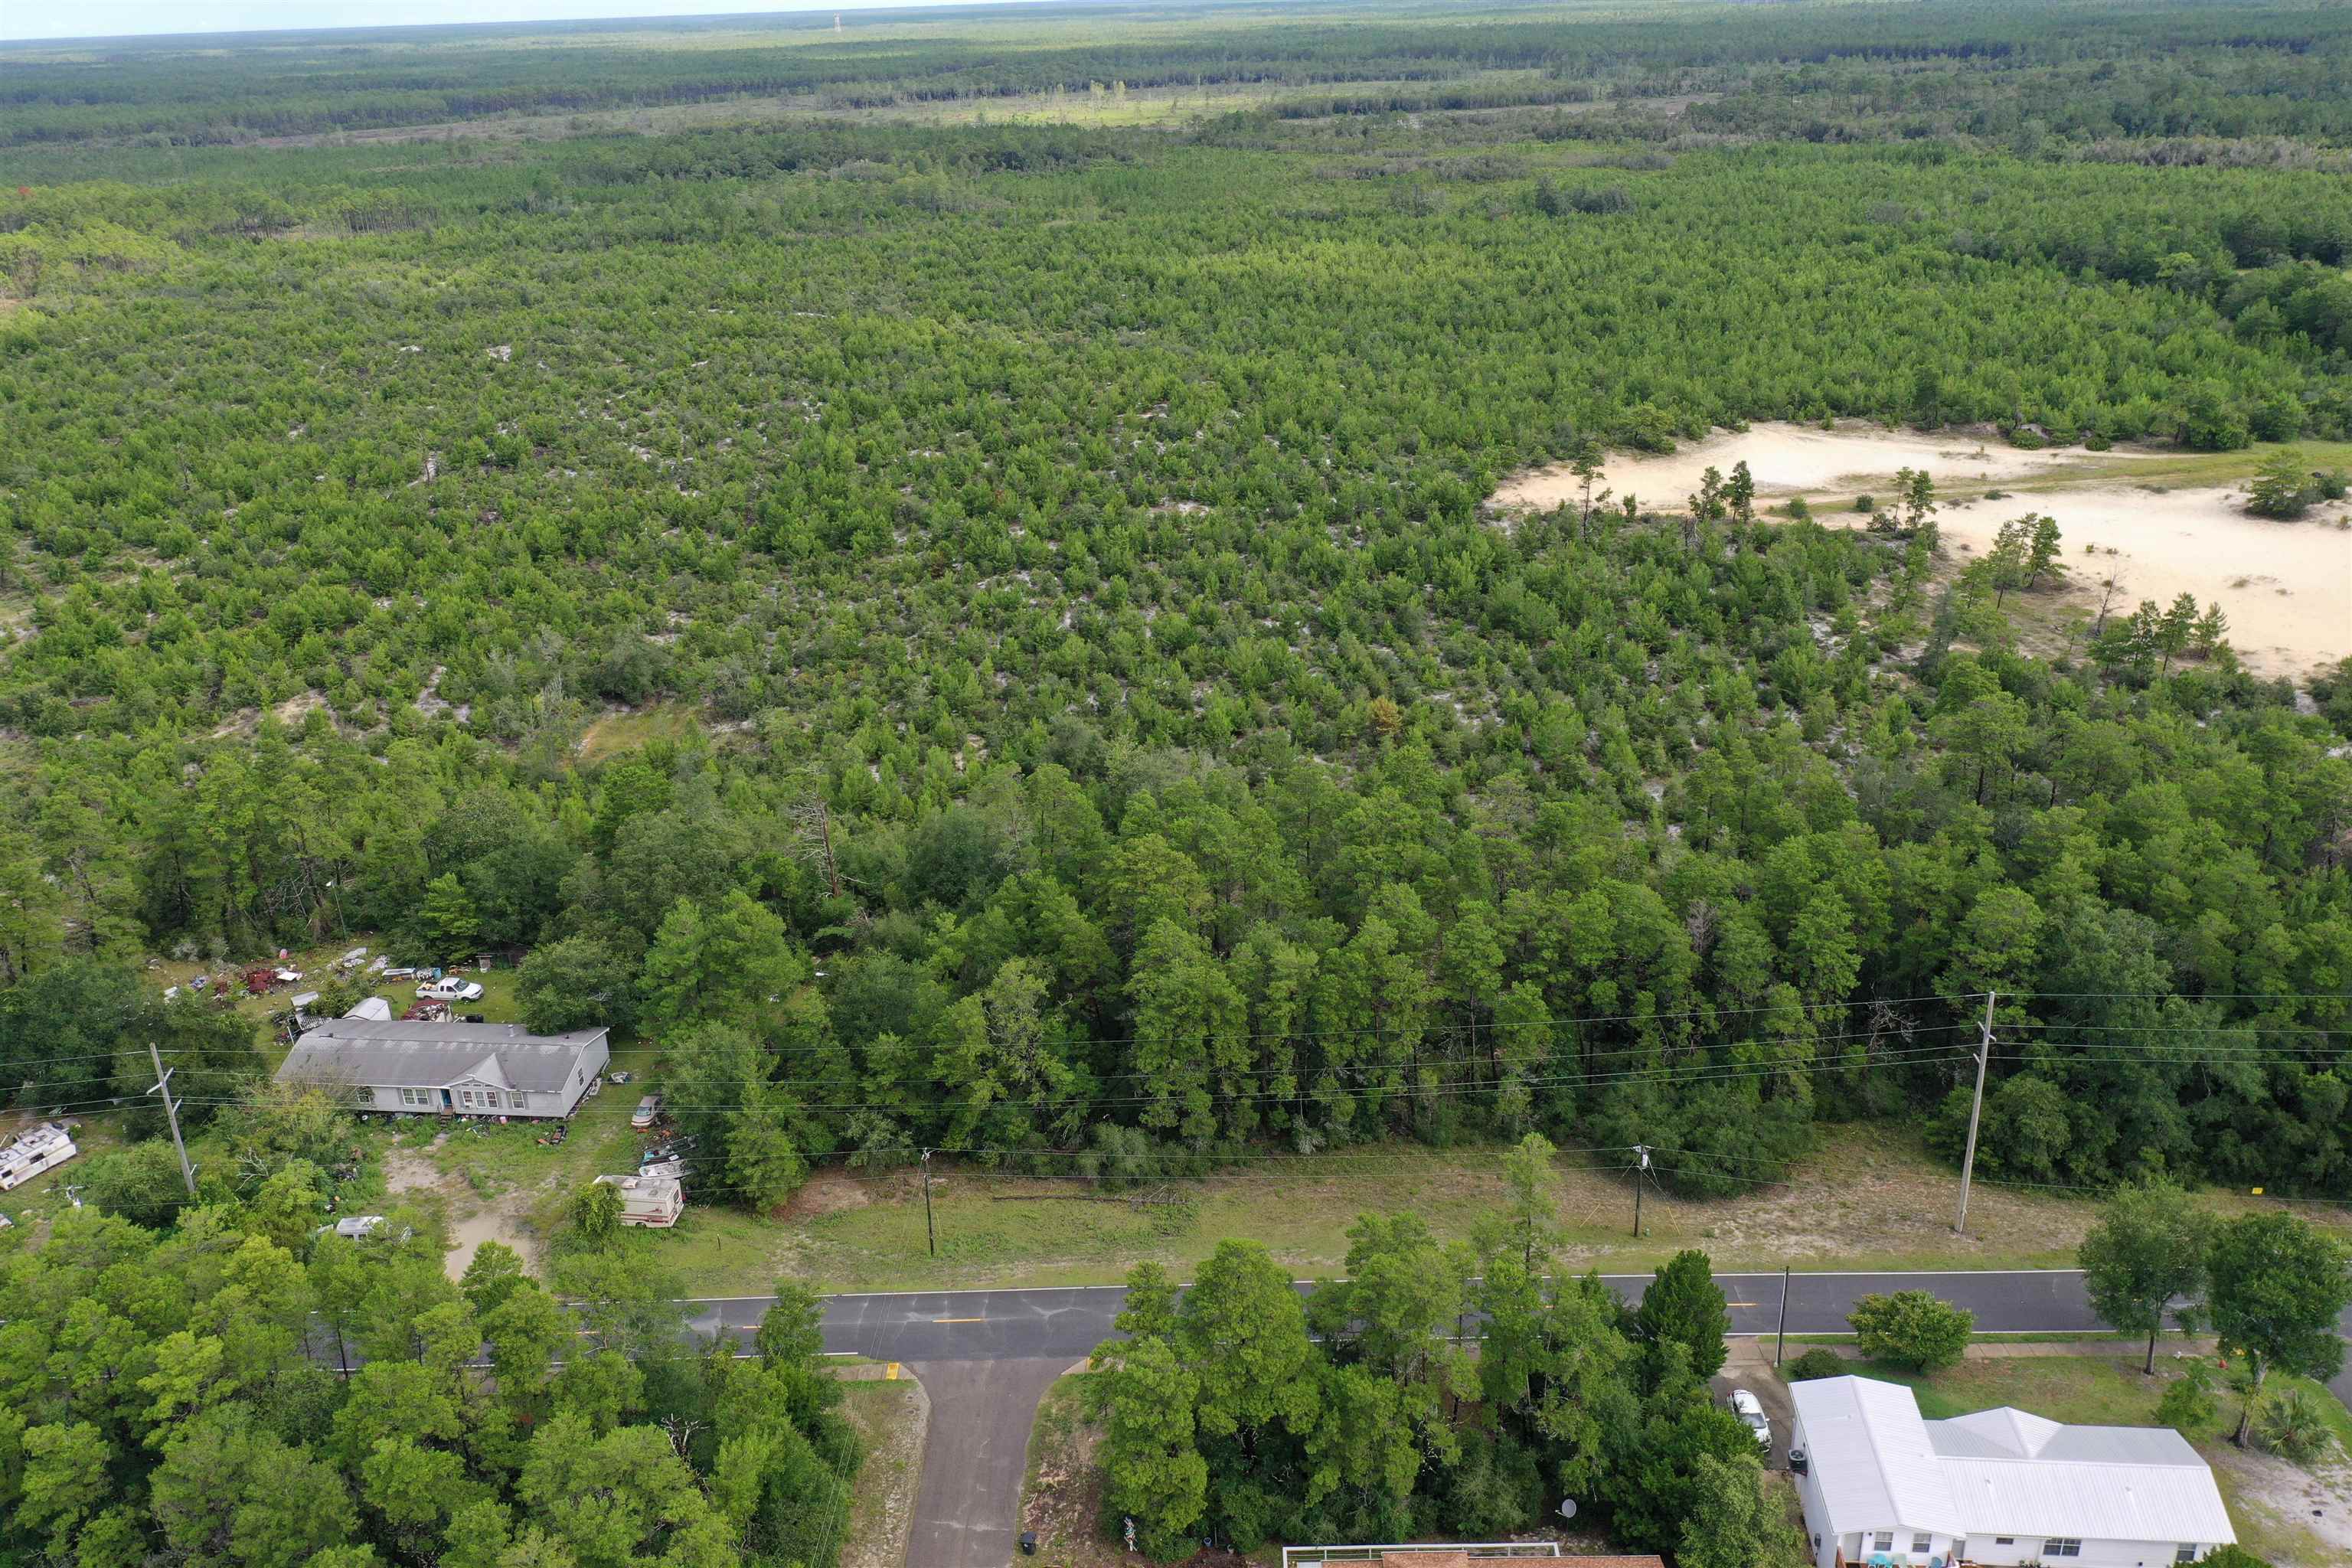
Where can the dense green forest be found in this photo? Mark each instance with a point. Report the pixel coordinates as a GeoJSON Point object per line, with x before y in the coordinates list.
{"type": "Point", "coordinates": [178, 1398]}
{"type": "Point", "coordinates": [1115, 731]}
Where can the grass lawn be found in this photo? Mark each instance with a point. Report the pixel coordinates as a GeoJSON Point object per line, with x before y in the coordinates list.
{"type": "Point", "coordinates": [2269, 1499]}
{"type": "Point", "coordinates": [892, 1415]}
{"type": "Point", "coordinates": [1850, 1207]}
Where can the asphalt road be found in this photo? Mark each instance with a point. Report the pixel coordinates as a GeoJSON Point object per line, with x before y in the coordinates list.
{"type": "Point", "coordinates": [1068, 1321]}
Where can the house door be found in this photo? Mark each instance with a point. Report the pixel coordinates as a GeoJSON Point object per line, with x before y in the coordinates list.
{"type": "Point", "coordinates": [445, 1102]}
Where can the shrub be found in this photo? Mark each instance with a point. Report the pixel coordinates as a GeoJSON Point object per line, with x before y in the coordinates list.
{"type": "Point", "coordinates": [1819, 1361]}
{"type": "Point", "coordinates": [2189, 1407]}
{"type": "Point", "coordinates": [2290, 1425]}
{"type": "Point", "coordinates": [1912, 1329]}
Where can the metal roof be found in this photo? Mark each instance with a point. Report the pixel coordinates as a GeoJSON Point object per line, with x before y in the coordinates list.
{"type": "Point", "coordinates": [2000, 1472]}
{"type": "Point", "coordinates": [395, 1054]}
{"type": "Point", "coordinates": [1870, 1457]}
{"type": "Point", "coordinates": [2016, 1474]}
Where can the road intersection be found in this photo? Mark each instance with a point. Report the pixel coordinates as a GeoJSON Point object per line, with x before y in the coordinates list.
{"type": "Point", "coordinates": [986, 1357]}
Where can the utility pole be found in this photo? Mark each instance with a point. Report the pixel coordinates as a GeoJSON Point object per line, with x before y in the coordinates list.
{"type": "Point", "coordinates": [1976, 1110]}
{"type": "Point", "coordinates": [1780, 1338]}
{"type": "Point", "coordinates": [172, 1114]}
{"type": "Point", "coordinates": [928, 1229]}
{"type": "Point", "coordinates": [1641, 1174]}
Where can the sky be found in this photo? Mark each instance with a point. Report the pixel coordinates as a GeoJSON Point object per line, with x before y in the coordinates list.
{"type": "Point", "coordinates": [22, 19]}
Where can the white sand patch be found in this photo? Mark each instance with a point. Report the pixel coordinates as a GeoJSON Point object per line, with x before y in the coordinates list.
{"type": "Point", "coordinates": [2285, 586]}
{"type": "Point", "coordinates": [1800, 460]}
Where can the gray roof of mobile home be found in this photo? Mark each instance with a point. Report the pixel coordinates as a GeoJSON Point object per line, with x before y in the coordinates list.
{"type": "Point", "coordinates": [397, 1053]}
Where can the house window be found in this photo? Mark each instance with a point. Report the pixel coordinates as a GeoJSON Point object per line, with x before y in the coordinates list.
{"type": "Point", "coordinates": [2004, 1541]}
{"type": "Point", "coordinates": [2061, 1546]}
{"type": "Point", "coordinates": [415, 1097]}
{"type": "Point", "coordinates": [518, 1100]}
{"type": "Point", "coordinates": [1885, 1542]}
{"type": "Point", "coordinates": [2187, 1554]}
{"type": "Point", "coordinates": [1922, 1544]}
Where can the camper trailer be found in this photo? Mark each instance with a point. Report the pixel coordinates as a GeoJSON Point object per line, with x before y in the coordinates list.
{"type": "Point", "coordinates": [44, 1148]}
{"type": "Point", "coordinates": [655, 1201]}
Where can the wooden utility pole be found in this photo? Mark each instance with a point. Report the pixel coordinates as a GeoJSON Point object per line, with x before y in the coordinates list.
{"type": "Point", "coordinates": [1641, 1174]}
{"type": "Point", "coordinates": [172, 1114]}
{"type": "Point", "coordinates": [1976, 1111]}
{"type": "Point", "coordinates": [1781, 1337]}
{"type": "Point", "coordinates": [928, 1229]}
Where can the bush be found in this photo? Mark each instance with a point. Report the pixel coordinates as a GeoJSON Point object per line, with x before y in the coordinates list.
{"type": "Point", "coordinates": [1912, 1329]}
{"type": "Point", "coordinates": [1817, 1363]}
{"type": "Point", "coordinates": [2189, 1407]}
{"type": "Point", "coordinates": [2234, 1556]}
{"type": "Point", "coordinates": [2291, 1425]}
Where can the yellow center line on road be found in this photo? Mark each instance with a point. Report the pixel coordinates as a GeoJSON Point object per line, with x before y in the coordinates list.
{"type": "Point", "coordinates": [1743, 1303]}
{"type": "Point", "coordinates": [959, 1319]}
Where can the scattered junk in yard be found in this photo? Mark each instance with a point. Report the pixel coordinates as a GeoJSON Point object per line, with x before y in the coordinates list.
{"type": "Point", "coordinates": [655, 1201]}
{"type": "Point", "coordinates": [427, 1013]}
{"type": "Point", "coordinates": [675, 1170]}
{"type": "Point", "coordinates": [401, 972]}
{"type": "Point", "coordinates": [358, 1225]}
{"type": "Point", "coordinates": [38, 1149]}
{"type": "Point", "coordinates": [554, 1136]}
{"type": "Point", "coordinates": [258, 982]}
{"type": "Point", "coordinates": [669, 1148]}
{"type": "Point", "coordinates": [351, 960]}
{"type": "Point", "coordinates": [617, 1078]}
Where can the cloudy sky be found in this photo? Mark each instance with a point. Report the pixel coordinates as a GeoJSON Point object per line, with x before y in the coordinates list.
{"type": "Point", "coordinates": [102, 18]}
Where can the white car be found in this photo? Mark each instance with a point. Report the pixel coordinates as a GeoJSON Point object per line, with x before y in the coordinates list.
{"type": "Point", "coordinates": [648, 1112]}
{"type": "Point", "coordinates": [450, 990]}
{"type": "Point", "coordinates": [1748, 1408]}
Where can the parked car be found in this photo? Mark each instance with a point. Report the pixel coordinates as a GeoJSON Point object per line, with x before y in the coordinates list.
{"type": "Point", "coordinates": [1750, 1409]}
{"type": "Point", "coordinates": [450, 990]}
{"type": "Point", "coordinates": [648, 1112]}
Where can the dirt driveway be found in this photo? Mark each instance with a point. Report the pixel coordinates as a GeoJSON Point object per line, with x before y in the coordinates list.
{"type": "Point", "coordinates": [473, 1220]}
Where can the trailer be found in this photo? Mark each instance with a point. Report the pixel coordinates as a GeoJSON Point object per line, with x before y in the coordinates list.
{"type": "Point", "coordinates": [44, 1148]}
{"type": "Point", "coordinates": [655, 1201]}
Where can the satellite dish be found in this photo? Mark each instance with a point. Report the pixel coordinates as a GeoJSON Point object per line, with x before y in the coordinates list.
{"type": "Point", "coordinates": [1567, 1507]}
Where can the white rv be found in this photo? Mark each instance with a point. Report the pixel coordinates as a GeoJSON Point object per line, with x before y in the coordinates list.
{"type": "Point", "coordinates": [43, 1148]}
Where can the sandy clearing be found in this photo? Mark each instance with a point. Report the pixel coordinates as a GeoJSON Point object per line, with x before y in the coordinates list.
{"type": "Point", "coordinates": [2286, 587]}
{"type": "Point", "coordinates": [496, 1220]}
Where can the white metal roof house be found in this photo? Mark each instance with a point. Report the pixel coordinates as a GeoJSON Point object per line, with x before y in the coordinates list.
{"type": "Point", "coordinates": [1881, 1485]}
{"type": "Point", "coordinates": [471, 1070]}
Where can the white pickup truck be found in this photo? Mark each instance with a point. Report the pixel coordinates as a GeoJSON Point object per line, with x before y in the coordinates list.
{"type": "Point", "coordinates": [450, 989]}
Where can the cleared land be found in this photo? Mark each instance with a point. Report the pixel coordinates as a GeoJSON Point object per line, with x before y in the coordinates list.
{"type": "Point", "coordinates": [1845, 1207]}
{"type": "Point", "coordinates": [2160, 523]}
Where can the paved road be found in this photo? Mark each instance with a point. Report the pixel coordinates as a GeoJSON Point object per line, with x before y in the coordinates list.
{"type": "Point", "coordinates": [987, 1357]}
{"type": "Point", "coordinates": [1068, 1321]}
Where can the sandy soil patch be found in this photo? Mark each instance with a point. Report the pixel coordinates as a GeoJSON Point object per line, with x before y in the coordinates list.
{"type": "Point", "coordinates": [2318, 1502]}
{"type": "Point", "coordinates": [472, 1221]}
{"type": "Point", "coordinates": [2285, 586]}
{"type": "Point", "coordinates": [826, 1191]}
